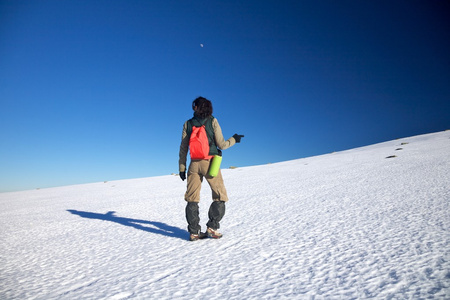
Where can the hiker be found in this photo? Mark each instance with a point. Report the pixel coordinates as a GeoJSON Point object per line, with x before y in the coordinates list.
{"type": "Point", "coordinates": [198, 169]}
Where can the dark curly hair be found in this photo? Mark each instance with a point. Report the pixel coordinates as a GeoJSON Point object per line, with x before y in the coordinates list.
{"type": "Point", "coordinates": [204, 107]}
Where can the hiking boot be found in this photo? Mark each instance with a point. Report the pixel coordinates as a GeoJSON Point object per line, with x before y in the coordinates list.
{"type": "Point", "coordinates": [213, 233]}
{"type": "Point", "coordinates": [199, 236]}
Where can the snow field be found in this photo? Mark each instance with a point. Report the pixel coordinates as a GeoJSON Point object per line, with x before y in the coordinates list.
{"type": "Point", "coordinates": [346, 225]}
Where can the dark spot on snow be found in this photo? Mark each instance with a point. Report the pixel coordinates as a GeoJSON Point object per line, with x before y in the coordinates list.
{"type": "Point", "coordinates": [391, 156]}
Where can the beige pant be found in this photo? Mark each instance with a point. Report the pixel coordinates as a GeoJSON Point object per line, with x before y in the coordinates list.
{"type": "Point", "coordinates": [197, 170]}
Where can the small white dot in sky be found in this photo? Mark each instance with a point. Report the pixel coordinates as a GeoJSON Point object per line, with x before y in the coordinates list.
{"type": "Point", "coordinates": [201, 45]}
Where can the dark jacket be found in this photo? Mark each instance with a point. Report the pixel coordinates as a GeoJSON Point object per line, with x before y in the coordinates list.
{"type": "Point", "coordinates": [215, 138]}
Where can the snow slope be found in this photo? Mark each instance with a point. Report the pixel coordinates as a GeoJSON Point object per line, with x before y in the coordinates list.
{"type": "Point", "coordinates": [346, 225]}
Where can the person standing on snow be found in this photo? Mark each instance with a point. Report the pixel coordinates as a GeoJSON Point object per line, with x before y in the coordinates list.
{"type": "Point", "coordinates": [198, 169]}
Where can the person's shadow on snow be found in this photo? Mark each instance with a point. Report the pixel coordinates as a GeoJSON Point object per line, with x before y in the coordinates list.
{"type": "Point", "coordinates": [156, 227]}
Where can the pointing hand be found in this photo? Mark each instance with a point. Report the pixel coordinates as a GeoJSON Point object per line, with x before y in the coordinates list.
{"type": "Point", "coordinates": [238, 137]}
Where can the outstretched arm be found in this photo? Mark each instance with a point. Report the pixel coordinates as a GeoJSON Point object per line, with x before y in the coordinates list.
{"type": "Point", "coordinates": [218, 136]}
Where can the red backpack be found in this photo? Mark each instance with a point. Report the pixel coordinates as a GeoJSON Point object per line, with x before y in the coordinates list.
{"type": "Point", "coordinates": [199, 144]}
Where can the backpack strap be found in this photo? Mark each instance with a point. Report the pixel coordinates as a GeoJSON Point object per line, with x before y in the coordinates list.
{"type": "Point", "coordinates": [191, 124]}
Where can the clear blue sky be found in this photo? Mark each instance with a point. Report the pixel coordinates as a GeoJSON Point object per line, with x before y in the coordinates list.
{"type": "Point", "coordinates": [99, 90]}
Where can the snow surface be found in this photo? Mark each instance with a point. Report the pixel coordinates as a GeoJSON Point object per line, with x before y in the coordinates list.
{"type": "Point", "coordinates": [347, 225]}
